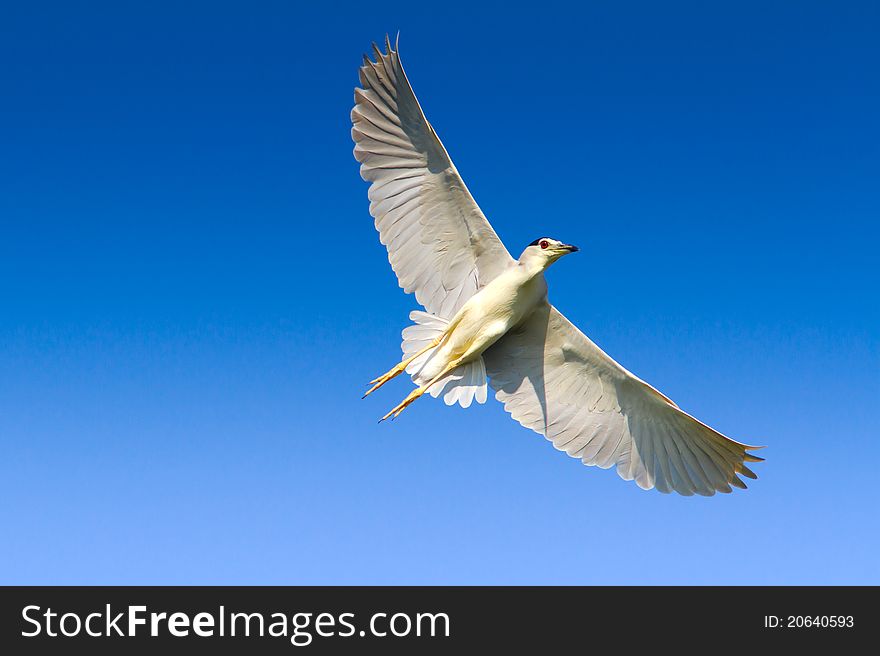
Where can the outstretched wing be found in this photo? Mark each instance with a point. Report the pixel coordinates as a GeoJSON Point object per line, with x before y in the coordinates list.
{"type": "Point", "coordinates": [439, 243]}
{"type": "Point", "coordinates": [553, 379]}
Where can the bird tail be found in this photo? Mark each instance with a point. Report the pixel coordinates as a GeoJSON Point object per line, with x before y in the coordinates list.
{"type": "Point", "coordinates": [463, 384]}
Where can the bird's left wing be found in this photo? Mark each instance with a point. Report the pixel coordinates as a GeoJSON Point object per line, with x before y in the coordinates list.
{"type": "Point", "coordinates": [553, 379]}
{"type": "Point", "coordinates": [439, 243]}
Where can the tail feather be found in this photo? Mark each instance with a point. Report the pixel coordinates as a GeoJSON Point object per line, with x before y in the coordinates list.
{"type": "Point", "coordinates": [462, 385]}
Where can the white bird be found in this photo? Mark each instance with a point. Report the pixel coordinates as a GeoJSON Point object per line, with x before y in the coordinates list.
{"type": "Point", "coordinates": [488, 318]}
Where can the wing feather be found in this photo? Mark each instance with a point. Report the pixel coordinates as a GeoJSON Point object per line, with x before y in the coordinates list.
{"type": "Point", "coordinates": [553, 379]}
{"type": "Point", "coordinates": [439, 243]}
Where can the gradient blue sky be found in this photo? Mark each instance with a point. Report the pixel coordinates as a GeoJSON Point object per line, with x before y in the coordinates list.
{"type": "Point", "coordinates": [193, 294]}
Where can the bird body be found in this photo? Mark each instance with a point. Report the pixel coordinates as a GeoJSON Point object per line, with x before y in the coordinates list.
{"type": "Point", "coordinates": [499, 306]}
{"type": "Point", "coordinates": [504, 303]}
{"type": "Point", "coordinates": [487, 321]}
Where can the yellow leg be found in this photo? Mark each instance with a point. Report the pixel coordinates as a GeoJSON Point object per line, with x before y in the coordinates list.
{"type": "Point", "coordinates": [416, 393]}
{"type": "Point", "coordinates": [399, 368]}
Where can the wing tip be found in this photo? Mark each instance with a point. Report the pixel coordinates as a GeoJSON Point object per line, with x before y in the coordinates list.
{"type": "Point", "coordinates": [750, 457]}
{"type": "Point", "coordinates": [389, 49]}
{"type": "Point", "coordinates": [745, 471]}
{"type": "Point", "coordinates": [736, 481]}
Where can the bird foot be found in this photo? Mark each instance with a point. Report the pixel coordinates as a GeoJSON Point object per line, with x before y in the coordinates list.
{"type": "Point", "coordinates": [384, 378]}
{"type": "Point", "coordinates": [403, 405]}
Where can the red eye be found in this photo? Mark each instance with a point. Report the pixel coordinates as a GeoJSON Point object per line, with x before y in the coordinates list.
{"type": "Point", "coordinates": [544, 243]}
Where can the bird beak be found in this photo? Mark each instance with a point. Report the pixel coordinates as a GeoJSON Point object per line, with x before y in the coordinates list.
{"type": "Point", "coordinates": [571, 249]}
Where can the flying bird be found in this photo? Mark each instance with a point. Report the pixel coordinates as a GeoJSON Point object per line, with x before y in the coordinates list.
{"type": "Point", "coordinates": [487, 320]}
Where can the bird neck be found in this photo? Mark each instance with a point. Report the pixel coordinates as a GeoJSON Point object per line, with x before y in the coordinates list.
{"type": "Point", "coordinates": [532, 265]}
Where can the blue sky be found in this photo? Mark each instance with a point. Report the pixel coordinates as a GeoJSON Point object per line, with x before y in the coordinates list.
{"type": "Point", "coordinates": [194, 296]}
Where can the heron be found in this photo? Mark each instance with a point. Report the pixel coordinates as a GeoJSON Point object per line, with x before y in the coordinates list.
{"type": "Point", "coordinates": [487, 320]}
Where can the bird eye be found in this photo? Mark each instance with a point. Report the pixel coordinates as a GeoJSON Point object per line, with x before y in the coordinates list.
{"type": "Point", "coordinates": [544, 243]}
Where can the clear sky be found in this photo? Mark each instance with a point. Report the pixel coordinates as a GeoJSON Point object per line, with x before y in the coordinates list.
{"type": "Point", "coordinates": [193, 295]}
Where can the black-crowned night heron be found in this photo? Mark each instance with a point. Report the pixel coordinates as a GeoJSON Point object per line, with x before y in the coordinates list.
{"type": "Point", "coordinates": [487, 318]}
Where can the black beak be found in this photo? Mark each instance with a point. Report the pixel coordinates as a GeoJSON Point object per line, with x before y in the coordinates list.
{"type": "Point", "coordinates": [572, 249]}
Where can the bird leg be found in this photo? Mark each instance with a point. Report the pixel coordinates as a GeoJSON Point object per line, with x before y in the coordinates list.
{"type": "Point", "coordinates": [416, 393]}
{"type": "Point", "coordinates": [398, 369]}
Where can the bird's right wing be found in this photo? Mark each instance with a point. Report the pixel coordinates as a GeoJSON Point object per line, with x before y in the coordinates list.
{"type": "Point", "coordinates": [553, 379]}
{"type": "Point", "coordinates": [439, 243]}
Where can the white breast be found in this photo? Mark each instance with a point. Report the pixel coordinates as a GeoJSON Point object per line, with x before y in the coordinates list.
{"type": "Point", "coordinates": [495, 309]}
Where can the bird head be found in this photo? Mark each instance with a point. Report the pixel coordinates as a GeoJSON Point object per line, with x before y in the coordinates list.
{"type": "Point", "coordinates": [545, 251]}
